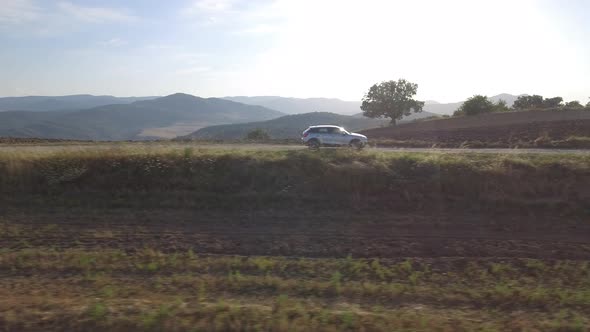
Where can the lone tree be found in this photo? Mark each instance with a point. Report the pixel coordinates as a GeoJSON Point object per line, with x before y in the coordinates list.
{"type": "Point", "coordinates": [477, 104]}
{"type": "Point", "coordinates": [391, 99]}
{"type": "Point", "coordinates": [258, 135]}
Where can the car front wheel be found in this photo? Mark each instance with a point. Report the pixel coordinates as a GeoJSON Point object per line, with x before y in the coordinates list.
{"type": "Point", "coordinates": [356, 144]}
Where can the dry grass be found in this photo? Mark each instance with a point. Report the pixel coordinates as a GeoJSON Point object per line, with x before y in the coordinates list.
{"type": "Point", "coordinates": [183, 176]}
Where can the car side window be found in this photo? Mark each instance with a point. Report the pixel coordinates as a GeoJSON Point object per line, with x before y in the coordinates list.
{"type": "Point", "coordinates": [323, 130]}
{"type": "Point", "coordinates": [333, 130]}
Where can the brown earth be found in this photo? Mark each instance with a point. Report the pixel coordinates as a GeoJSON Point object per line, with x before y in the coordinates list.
{"type": "Point", "coordinates": [283, 234]}
{"type": "Point", "coordinates": [528, 129]}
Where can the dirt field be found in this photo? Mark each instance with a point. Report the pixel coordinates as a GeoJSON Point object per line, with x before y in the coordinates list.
{"type": "Point", "coordinates": [281, 234]}
{"type": "Point", "coordinates": [544, 129]}
{"type": "Point", "coordinates": [130, 240]}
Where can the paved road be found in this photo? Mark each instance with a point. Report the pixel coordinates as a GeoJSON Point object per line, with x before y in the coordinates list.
{"type": "Point", "coordinates": [267, 147]}
{"type": "Point", "coordinates": [298, 147]}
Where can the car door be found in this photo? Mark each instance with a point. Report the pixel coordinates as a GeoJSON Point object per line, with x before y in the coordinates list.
{"type": "Point", "coordinates": [325, 135]}
{"type": "Point", "coordinates": [339, 137]}
{"type": "Point", "coordinates": [334, 136]}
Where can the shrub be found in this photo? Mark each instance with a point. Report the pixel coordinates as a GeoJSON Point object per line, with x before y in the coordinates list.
{"type": "Point", "coordinates": [553, 102]}
{"type": "Point", "coordinates": [537, 102]}
{"type": "Point", "coordinates": [258, 135]}
{"type": "Point", "coordinates": [573, 104]}
{"type": "Point", "coordinates": [477, 104]}
{"type": "Point", "coordinates": [501, 106]}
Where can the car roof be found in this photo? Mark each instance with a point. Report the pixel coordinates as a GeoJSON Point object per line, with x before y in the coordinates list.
{"type": "Point", "coordinates": [331, 126]}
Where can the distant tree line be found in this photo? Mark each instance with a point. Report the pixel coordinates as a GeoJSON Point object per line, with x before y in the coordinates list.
{"type": "Point", "coordinates": [479, 104]}
{"type": "Point", "coordinates": [395, 99]}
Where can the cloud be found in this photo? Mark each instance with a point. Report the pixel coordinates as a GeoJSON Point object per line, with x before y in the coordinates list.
{"type": "Point", "coordinates": [96, 14]}
{"type": "Point", "coordinates": [192, 70]}
{"type": "Point", "coordinates": [208, 7]}
{"type": "Point", "coordinates": [212, 12]}
{"type": "Point", "coordinates": [159, 47]}
{"type": "Point", "coordinates": [18, 11]}
{"type": "Point", "coordinates": [113, 42]}
{"type": "Point", "coordinates": [260, 29]}
{"type": "Point", "coordinates": [190, 58]}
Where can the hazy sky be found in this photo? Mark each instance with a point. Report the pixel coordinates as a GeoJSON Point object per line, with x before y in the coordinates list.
{"type": "Point", "coordinates": [297, 48]}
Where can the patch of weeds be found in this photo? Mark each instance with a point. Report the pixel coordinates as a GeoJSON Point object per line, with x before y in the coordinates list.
{"type": "Point", "coordinates": [108, 291]}
{"type": "Point", "coordinates": [190, 254]}
{"type": "Point", "coordinates": [263, 264]}
{"type": "Point", "coordinates": [188, 152]}
{"type": "Point", "coordinates": [347, 320]}
{"type": "Point", "coordinates": [336, 281]}
{"type": "Point", "coordinates": [157, 318]}
{"type": "Point", "coordinates": [379, 270]}
{"type": "Point", "coordinates": [280, 303]}
{"type": "Point", "coordinates": [98, 311]}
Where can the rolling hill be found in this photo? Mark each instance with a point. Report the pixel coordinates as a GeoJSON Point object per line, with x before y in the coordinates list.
{"type": "Point", "coordinates": [299, 105]}
{"type": "Point", "coordinates": [131, 121]}
{"type": "Point", "coordinates": [73, 102]}
{"type": "Point", "coordinates": [532, 128]}
{"type": "Point", "coordinates": [289, 126]}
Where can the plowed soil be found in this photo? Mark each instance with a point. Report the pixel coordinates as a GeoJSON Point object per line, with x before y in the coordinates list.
{"type": "Point", "coordinates": [384, 236]}
{"type": "Point", "coordinates": [501, 135]}
{"type": "Point", "coordinates": [536, 128]}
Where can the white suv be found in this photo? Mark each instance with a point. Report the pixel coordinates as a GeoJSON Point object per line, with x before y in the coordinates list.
{"type": "Point", "coordinates": [327, 135]}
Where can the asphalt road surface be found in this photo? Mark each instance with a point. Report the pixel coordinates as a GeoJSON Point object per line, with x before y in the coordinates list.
{"type": "Point", "coordinates": [300, 147]}
{"type": "Point", "coordinates": [264, 147]}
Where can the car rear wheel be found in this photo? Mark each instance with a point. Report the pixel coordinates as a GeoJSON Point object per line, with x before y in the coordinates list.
{"type": "Point", "coordinates": [313, 144]}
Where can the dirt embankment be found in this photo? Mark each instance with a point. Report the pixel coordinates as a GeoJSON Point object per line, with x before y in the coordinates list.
{"type": "Point", "coordinates": [299, 203]}
{"type": "Point", "coordinates": [554, 128]}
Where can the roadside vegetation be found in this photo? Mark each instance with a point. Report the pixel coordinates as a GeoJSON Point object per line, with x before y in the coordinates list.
{"type": "Point", "coordinates": [132, 176]}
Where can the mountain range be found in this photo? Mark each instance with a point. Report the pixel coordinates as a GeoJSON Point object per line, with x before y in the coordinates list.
{"type": "Point", "coordinates": [60, 103]}
{"type": "Point", "coordinates": [299, 105]}
{"type": "Point", "coordinates": [137, 120]}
